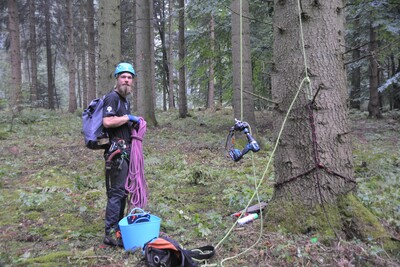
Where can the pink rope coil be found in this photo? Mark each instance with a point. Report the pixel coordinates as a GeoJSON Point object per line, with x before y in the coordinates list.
{"type": "Point", "coordinates": [136, 184]}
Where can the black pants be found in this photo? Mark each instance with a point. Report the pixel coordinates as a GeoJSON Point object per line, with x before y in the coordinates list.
{"type": "Point", "coordinates": [116, 193]}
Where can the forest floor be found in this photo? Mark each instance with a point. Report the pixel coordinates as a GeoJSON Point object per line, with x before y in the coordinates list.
{"type": "Point", "coordinates": [53, 193]}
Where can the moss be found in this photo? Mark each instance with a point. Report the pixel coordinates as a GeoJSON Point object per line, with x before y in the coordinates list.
{"type": "Point", "coordinates": [52, 259]}
{"type": "Point", "coordinates": [348, 218]}
{"type": "Point", "coordinates": [34, 215]}
{"type": "Point", "coordinates": [10, 214]}
{"type": "Point", "coordinates": [359, 222]}
{"type": "Point", "coordinates": [296, 217]}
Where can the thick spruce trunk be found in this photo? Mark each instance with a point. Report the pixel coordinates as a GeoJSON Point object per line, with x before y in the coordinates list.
{"type": "Point", "coordinates": [314, 161]}
{"type": "Point", "coordinates": [109, 44]}
{"type": "Point", "coordinates": [72, 104]}
{"type": "Point", "coordinates": [15, 56]}
{"type": "Point", "coordinates": [183, 105]}
{"type": "Point", "coordinates": [91, 93]}
{"type": "Point", "coordinates": [144, 60]}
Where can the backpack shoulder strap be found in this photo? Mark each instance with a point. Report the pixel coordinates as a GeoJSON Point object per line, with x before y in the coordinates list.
{"type": "Point", "coordinates": [202, 253]}
{"type": "Point", "coordinates": [119, 100]}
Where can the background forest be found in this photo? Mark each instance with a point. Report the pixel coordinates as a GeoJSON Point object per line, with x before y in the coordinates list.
{"type": "Point", "coordinates": [59, 58]}
{"type": "Point", "coordinates": [56, 56]}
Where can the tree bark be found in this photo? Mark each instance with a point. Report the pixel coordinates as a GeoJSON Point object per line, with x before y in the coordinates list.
{"type": "Point", "coordinates": [91, 92]}
{"type": "Point", "coordinates": [72, 105]}
{"type": "Point", "coordinates": [313, 162]}
{"type": "Point", "coordinates": [50, 77]}
{"type": "Point", "coordinates": [144, 68]}
{"type": "Point", "coordinates": [211, 87]}
{"type": "Point", "coordinates": [160, 22]}
{"type": "Point", "coordinates": [32, 53]}
{"type": "Point", "coordinates": [243, 103]}
{"type": "Point", "coordinates": [83, 96]}
{"type": "Point", "coordinates": [151, 109]}
{"type": "Point", "coordinates": [135, 92]}
{"type": "Point", "coordinates": [355, 93]}
{"type": "Point", "coordinates": [15, 56]}
{"type": "Point", "coordinates": [171, 99]}
{"type": "Point", "coordinates": [109, 43]}
{"type": "Point", "coordinates": [183, 108]}
{"type": "Point", "coordinates": [374, 103]}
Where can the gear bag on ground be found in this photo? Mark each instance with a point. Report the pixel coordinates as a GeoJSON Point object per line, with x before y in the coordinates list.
{"type": "Point", "coordinates": [166, 252]}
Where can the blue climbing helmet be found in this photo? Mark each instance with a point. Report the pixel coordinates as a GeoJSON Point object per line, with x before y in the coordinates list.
{"type": "Point", "coordinates": [124, 67]}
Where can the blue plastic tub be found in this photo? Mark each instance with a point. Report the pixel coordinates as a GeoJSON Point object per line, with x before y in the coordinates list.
{"type": "Point", "coordinates": [135, 235]}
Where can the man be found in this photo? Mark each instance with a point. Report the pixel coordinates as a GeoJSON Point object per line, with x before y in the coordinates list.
{"type": "Point", "coordinates": [119, 122]}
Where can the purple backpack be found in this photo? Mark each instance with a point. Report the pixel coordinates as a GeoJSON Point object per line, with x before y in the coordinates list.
{"type": "Point", "coordinates": [95, 134]}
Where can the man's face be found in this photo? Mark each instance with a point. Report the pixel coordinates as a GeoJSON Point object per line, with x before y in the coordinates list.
{"type": "Point", "coordinates": [124, 83]}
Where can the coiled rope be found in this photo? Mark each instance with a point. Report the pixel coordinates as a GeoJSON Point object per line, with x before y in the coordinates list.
{"type": "Point", "coordinates": [136, 184]}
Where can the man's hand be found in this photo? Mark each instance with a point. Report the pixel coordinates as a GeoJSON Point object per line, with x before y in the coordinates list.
{"type": "Point", "coordinates": [133, 119]}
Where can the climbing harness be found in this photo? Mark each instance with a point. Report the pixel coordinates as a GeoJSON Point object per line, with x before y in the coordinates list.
{"type": "Point", "coordinates": [252, 145]}
{"type": "Point", "coordinates": [136, 184]}
{"type": "Point", "coordinates": [117, 148]}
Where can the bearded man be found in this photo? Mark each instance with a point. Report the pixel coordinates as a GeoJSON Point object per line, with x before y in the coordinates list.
{"type": "Point", "coordinates": [118, 122]}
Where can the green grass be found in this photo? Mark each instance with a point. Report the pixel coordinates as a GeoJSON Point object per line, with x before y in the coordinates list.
{"type": "Point", "coordinates": [53, 193]}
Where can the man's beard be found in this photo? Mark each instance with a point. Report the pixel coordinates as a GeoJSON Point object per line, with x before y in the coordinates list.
{"type": "Point", "coordinates": [124, 90]}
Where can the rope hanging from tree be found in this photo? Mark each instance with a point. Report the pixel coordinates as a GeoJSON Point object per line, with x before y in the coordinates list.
{"type": "Point", "coordinates": [311, 98]}
{"type": "Point", "coordinates": [317, 161]}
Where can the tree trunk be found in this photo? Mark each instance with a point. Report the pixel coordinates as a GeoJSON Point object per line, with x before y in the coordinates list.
{"type": "Point", "coordinates": [50, 77]}
{"type": "Point", "coordinates": [220, 83]}
{"type": "Point", "coordinates": [91, 92]}
{"type": "Point", "coordinates": [83, 100]}
{"type": "Point", "coordinates": [183, 108]}
{"type": "Point", "coordinates": [144, 52]}
{"type": "Point", "coordinates": [211, 87]}
{"type": "Point", "coordinates": [243, 103]}
{"type": "Point", "coordinates": [109, 43]}
{"type": "Point", "coordinates": [355, 93]}
{"type": "Point", "coordinates": [32, 53]}
{"type": "Point", "coordinates": [56, 98]}
{"type": "Point", "coordinates": [160, 22]}
{"type": "Point", "coordinates": [15, 56]}
{"type": "Point", "coordinates": [72, 106]}
{"type": "Point", "coordinates": [355, 76]}
{"type": "Point", "coordinates": [374, 103]}
{"type": "Point", "coordinates": [152, 101]}
{"type": "Point", "coordinates": [171, 100]}
{"type": "Point", "coordinates": [313, 162]}
{"type": "Point", "coordinates": [395, 91]}
{"type": "Point", "coordinates": [78, 83]}
{"type": "Point", "coordinates": [220, 89]}
{"type": "Point", "coordinates": [127, 31]}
